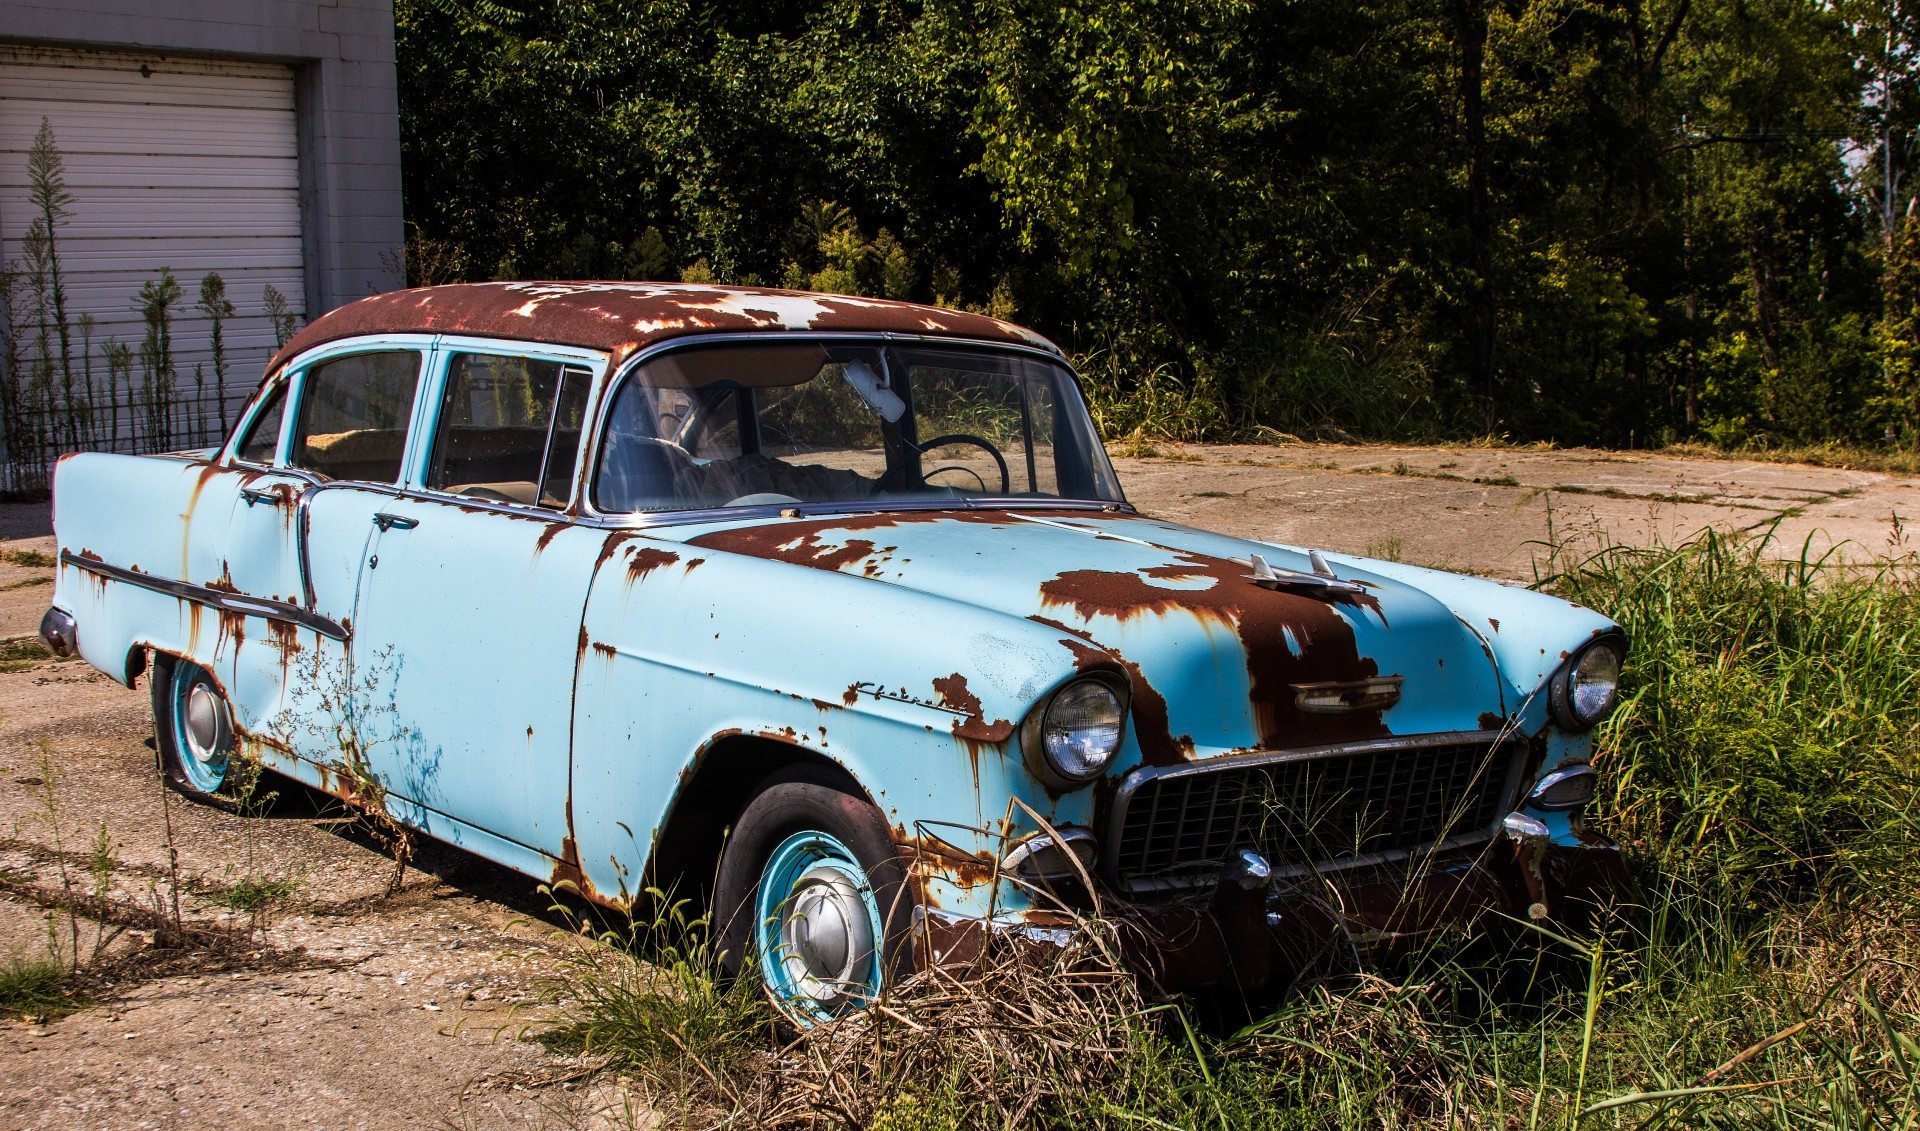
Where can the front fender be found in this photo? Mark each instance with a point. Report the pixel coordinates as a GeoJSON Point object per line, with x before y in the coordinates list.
{"type": "Point", "coordinates": [919, 698]}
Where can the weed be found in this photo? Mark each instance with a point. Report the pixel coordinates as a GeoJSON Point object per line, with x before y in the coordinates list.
{"type": "Point", "coordinates": [253, 896]}
{"type": "Point", "coordinates": [33, 987]}
{"type": "Point", "coordinates": [1387, 549]}
{"type": "Point", "coordinates": [19, 653]}
{"type": "Point", "coordinates": [32, 559]}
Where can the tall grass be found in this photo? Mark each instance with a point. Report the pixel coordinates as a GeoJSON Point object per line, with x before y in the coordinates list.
{"type": "Point", "coordinates": [1761, 772]}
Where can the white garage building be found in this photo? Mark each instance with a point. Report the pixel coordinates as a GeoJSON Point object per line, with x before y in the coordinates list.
{"type": "Point", "coordinates": [256, 141]}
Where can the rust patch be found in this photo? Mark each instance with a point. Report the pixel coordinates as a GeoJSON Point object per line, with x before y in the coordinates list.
{"type": "Point", "coordinates": [851, 695]}
{"type": "Point", "coordinates": [1287, 637]}
{"type": "Point", "coordinates": [567, 871]}
{"type": "Point", "coordinates": [931, 856]}
{"type": "Point", "coordinates": [547, 536]}
{"type": "Point", "coordinates": [605, 649]}
{"type": "Point", "coordinates": [610, 547]}
{"type": "Point", "coordinates": [647, 559]}
{"type": "Point", "coordinates": [798, 541]}
{"type": "Point", "coordinates": [619, 318]}
{"type": "Point", "coordinates": [955, 694]}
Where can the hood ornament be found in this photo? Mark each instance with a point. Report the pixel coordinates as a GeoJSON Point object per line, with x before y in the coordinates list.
{"type": "Point", "coordinates": [1320, 581]}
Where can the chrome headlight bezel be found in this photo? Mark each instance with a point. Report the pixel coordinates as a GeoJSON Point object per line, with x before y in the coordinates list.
{"type": "Point", "coordinates": [1040, 759]}
{"type": "Point", "coordinates": [1562, 693]}
{"type": "Point", "coordinates": [1564, 790]}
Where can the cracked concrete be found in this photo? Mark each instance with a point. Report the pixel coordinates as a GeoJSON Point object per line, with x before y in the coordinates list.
{"type": "Point", "coordinates": [375, 1011]}
{"type": "Point", "coordinates": [1496, 511]}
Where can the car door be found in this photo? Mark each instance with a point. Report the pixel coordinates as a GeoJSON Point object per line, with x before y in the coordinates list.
{"type": "Point", "coordinates": [324, 447]}
{"type": "Point", "coordinates": [467, 623]}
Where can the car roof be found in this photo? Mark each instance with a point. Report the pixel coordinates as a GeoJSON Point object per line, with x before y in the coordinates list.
{"type": "Point", "coordinates": [622, 318]}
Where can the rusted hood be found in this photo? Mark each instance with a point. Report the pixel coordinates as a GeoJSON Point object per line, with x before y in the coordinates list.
{"type": "Point", "coordinates": [1216, 659]}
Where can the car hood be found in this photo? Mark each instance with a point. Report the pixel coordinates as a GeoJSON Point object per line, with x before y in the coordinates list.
{"type": "Point", "coordinates": [1214, 658]}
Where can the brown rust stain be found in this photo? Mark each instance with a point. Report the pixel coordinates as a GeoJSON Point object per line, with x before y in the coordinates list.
{"type": "Point", "coordinates": [1263, 619]}
{"type": "Point", "coordinates": [611, 547]}
{"type": "Point", "coordinates": [973, 726]}
{"type": "Point", "coordinates": [620, 317]}
{"type": "Point", "coordinates": [851, 695]}
{"type": "Point", "coordinates": [547, 536]}
{"type": "Point", "coordinates": [647, 559]}
{"type": "Point", "coordinates": [799, 541]}
{"type": "Point", "coordinates": [930, 856]}
{"type": "Point", "coordinates": [567, 871]}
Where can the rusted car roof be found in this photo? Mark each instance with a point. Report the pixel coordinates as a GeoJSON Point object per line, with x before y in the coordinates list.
{"type": "Point", "coordinates": [620, 318]}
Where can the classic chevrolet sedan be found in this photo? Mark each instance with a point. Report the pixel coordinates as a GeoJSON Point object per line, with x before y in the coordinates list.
{"type": "Point", "coordinates": [831, 613]}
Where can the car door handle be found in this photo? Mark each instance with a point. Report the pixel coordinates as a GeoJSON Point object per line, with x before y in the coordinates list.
{"type": "Point", "coordinates": [252, 496]}
{"type": "Point", "coordinates": [387, 521]}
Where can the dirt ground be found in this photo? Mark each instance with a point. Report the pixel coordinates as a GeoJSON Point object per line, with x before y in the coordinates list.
{"type": "Point", "coordinates": [354, 1008]}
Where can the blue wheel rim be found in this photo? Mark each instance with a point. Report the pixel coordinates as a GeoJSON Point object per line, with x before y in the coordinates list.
{"type": "Point", "coordinates": [202, 757]}
{"type": "Point", "coordinates": [813, 887]}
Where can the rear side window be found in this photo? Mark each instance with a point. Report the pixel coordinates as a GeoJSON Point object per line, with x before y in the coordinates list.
{"type": "Point", "coordinates": [262, 441]}
{"type": "Point", "coordinates": [509, 429]}
{"type": "Point", "coordinates": [353, 416]}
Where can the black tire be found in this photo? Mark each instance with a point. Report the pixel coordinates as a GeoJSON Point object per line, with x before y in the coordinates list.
{"type": "Point", "coordinates": [807, 799]}
{"type": "Point", "coordinates": [173, 681]}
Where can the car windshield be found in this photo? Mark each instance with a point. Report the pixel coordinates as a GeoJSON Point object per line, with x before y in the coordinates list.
{"type": "Point", "coordinates": [770, 423]}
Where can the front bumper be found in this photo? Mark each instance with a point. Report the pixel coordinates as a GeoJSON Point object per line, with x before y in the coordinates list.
{"type": "Point", "coordinates": [1257, 934]}
{"type": "Point", "coordinates": [1254, 938]}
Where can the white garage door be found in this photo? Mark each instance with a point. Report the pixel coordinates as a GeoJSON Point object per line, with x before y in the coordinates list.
{"type": "Point", "coordinates": [185, 164]}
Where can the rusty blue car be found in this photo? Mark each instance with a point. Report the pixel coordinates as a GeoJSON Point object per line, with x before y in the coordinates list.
{"type": "Point", "coordinates": [829, 613]}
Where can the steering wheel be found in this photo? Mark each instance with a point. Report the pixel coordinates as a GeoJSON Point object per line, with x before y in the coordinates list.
{"type": "Point", "coordinates": [1006, 477]}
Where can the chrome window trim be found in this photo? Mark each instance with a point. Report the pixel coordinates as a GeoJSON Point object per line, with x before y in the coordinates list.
{"type": "Point", "coordinates": [611, 386]}
{"type": "Point", "coordinates": [1131, 784]}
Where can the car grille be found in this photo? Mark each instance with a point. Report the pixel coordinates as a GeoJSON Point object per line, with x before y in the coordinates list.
{"type": "Point", "coordinates": [1310, 809]}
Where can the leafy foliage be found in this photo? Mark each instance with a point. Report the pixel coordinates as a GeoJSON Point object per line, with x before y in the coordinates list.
{"type": "Point", "coordinates": [1559, 219]}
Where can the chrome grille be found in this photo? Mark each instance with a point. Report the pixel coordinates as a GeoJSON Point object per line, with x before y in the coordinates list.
{"type": "Point", "coordinates": [1321, 808]}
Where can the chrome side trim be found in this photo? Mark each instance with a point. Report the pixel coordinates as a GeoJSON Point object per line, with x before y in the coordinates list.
{"type": "Point", "coordinates": [1131, 784]}
{"type": "Point", "coordinates": [213, 598]}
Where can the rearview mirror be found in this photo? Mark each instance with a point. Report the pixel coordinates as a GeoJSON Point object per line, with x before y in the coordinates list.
{"type": "Point", "coordinates": [872, 390]}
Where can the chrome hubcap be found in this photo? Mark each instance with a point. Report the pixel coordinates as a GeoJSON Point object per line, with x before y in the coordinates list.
{"type": "Point", "coordinates": [203, 723]}
{"type": "Point", "coordinates": [827, 934]}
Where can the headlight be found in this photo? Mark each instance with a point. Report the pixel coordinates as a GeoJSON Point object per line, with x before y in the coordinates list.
{"type": "Point", "coordinates": [1078, 733]}
{"type": "Point", "coordinates": [1588, 685]}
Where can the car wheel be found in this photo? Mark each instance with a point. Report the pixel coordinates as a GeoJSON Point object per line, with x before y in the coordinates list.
{"type": "Point", "coordinates": [812, 890]}
{"type": "Point", "coordinates": [193, 728]}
